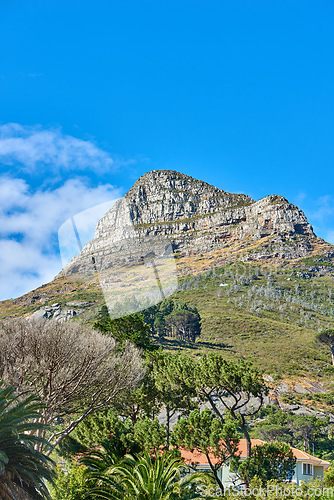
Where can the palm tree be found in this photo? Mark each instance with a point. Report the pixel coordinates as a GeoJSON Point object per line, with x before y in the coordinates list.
{"type": "Point", "coordinates": [23, 469]}
{"type": "Point", "coordinates": [103, 472]}
{"type": "Point", "coordinates": [159, 478]}
{"type": "Point", "coordinates": [144, 478]}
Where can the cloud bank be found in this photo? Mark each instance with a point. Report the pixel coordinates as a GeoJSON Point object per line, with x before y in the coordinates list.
{"type": "Point", "coordinates": [29, 221]}
{"type": "Point", "coordinates": [32, 147]}
{"type": "Point", "coordinates": [322, 215]}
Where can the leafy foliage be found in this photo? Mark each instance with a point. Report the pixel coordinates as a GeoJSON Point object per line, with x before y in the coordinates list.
{"type": "Point", "coordinates": [301, 431]}
{"type": "Point", "coordinates": [205, 432]}
{"type": "Point", "coordinates": [122, 436]}
{"type": "Point", "coordinates": [143, 401]}
{"type": "Point", "coordinates": [214, 379]}
{"type": "Point", "coordinates": [22, 467]}
{"type": "Point", "coordinates": [130, 328]}
{"type": "Point", "coordinates": [106, 426]}
{"type": "Point", "coordinates": [70, 485]}
{"type": "Point", "coordinates": [175, 394]}
{"type": "Point", "coordinates": [141, 478]}
{"type": "Point", "coordinates": [174, 318]}
{"type": "Point", "coordinates": [267, 462]}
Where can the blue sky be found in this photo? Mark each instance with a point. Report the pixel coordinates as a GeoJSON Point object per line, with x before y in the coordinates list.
{"type": "Point", "coordinates": [94, 94]}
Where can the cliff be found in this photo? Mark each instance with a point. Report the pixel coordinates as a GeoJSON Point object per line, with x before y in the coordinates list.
{"type": "Point", "coordinates": [166, 207]}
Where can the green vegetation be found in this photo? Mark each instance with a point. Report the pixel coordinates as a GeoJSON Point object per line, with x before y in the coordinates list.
{"type": "Point", "coordinates": [308, 432]}
{"type": "Point", "coordinates": [142, 477]}
{"type": "Point", "coordinates": [123, 436]}
{"type": "Point", "coordinates": [270, 461]}
{"type": "Point", "coordinates": [174, 318]}
{"type": "Point", "coordinates": [215, 380]}
{"type": "Point", "coordinates": [129, 328]}
{"type": "Point", "coordinates": [230, 324]}
{"type": "Point", "coordinates": [23, 468]}
{"type": "Point", "coordinates": [70, 485]}
{"type": "Point", "coordinates": [206, 433]}
{"type": "Point", "coordinates": [327, 338]}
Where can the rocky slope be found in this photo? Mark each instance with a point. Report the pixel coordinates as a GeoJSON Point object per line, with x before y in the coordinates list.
{"type": "Point", "coordinates": [261, 280]}
{"type": "Point", "coordinates": [165, 207]}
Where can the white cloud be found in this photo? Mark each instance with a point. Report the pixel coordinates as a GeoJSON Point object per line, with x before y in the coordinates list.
{"type": "Point", "coordinates": [324, 208]}
{"type": "Point", "coordinates": [330, 236]}
{"type": "Point", "coordinates": [29, 222]}
{"type": "Point", "coordinates": [320, 213]}
{"type": "Point", "coordinates": [24, 267]}
{"type": "Point", "coordinates": [32, 147]}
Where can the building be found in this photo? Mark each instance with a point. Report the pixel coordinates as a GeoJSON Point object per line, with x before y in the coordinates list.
{"type": "Point", "coordinates": [307, 466]}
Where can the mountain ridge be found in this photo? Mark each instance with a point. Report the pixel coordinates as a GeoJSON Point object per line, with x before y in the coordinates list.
{"type": "Point", "coordinates": [279, 278]}
{"type": "Point", "coordinates": [198, 218]}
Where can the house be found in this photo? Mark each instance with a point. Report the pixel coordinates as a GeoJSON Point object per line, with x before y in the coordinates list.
{"type": "Point", "coordinates": [307, 466]}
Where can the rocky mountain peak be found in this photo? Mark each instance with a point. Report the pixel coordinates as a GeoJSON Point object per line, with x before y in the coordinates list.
{"type": "Point", "coordinates": [162, 196]}
{"type": "Point", "coordinates": [196, 218]}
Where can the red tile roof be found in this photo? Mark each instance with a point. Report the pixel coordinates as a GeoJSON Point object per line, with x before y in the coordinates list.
{"type": "Point", "coordinates": [194, 457]}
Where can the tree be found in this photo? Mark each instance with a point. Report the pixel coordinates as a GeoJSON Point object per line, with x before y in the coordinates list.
{"type": "Point", "coordinates": [23, 468]}
{"type": "Point", "coordinates": [297, 430]}
{"type": "Point", "coordinates": [106, 426]}
{"type": "Point", "coordinates": [237, 385]}
{"type": "Point", "coordinates": [159, 325]}
{"type": "Point", "coordinates": [142, 478]}
{"type": "Point", "coordinates": [149, 434]}
{"type": "Point", "coordinates": [267, 462]}
{"type": "Point", "coordinates": [174, 317]}
{"type": "Point", "coordinates": [306, 427]}
{"type": "Point", "coordinates": [122, 435]}
{"type": "Point", "coordinates": [74, 369]}
{"type": "Point", "coordinates": [175, 395]}
{"type": "Point", "coordinates": [184, 324]}
{"type": "Point", "coordinates": [142, 401]}
{"type": "Point", "coordinates": [327, 337]}
{"type": "Point", "coordinates": [205, 432]}
{"type": "Point", "coordinates": [130, 328]}
{"type": "Point", "coordinates": [275, 427]}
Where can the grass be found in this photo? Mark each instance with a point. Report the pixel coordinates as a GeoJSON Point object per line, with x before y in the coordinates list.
{"type": "Point", "coordinates": [268, 313]}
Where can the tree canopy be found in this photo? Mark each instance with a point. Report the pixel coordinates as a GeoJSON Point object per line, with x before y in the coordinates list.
{"type": "Point", "coordinates": [174, 318]}
{"type": "Point", "coordinates": [237, 385]}
{"type": "Point", "coordinates": [130, 328]}
{"type": "Point", "coordinates": [327, 337]}
{"type": "Point", "coordinates": [74, 369]}
{"type": "Point", "coordinates": [267, 462]}
{"type": "Point", "coordinates": [205, 432]}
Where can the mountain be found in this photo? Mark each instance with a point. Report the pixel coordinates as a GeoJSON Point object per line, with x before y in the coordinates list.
{"type": "Point", "coordinates": [261, 279]}
{"type": "Point", "coordinates": [198, 219]}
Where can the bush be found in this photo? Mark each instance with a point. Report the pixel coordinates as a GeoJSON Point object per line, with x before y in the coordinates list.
{"type": "Point", "coordinates": [71, 485]}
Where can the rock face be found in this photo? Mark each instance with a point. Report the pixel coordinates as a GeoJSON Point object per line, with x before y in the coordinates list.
{"type": "Point", "coordinates": [166, 207]}
{"type": "Point", "coordinates": [55, 311]}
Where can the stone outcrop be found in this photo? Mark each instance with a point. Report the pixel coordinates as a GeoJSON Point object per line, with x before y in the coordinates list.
{"type": "Point", "coordinates": [55, 311]}
{"type": "Point", "coordinates": [166, 208]}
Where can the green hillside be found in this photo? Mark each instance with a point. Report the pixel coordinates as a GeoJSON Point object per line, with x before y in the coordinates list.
{"type": "Point", "coordinates": [268, 317]}
{"type": "Point", "coordinates": [266, 312]}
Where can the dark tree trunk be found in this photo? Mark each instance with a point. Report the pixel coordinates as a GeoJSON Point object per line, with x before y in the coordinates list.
{"type": "Point", "coordinates": [248, 439]}
{"type": "Point", "coordinates": [332, 353]}
{"type": "Point", "coordinates": [215, 473]}
{"type": "Point", "coordinates": [168, 426]}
